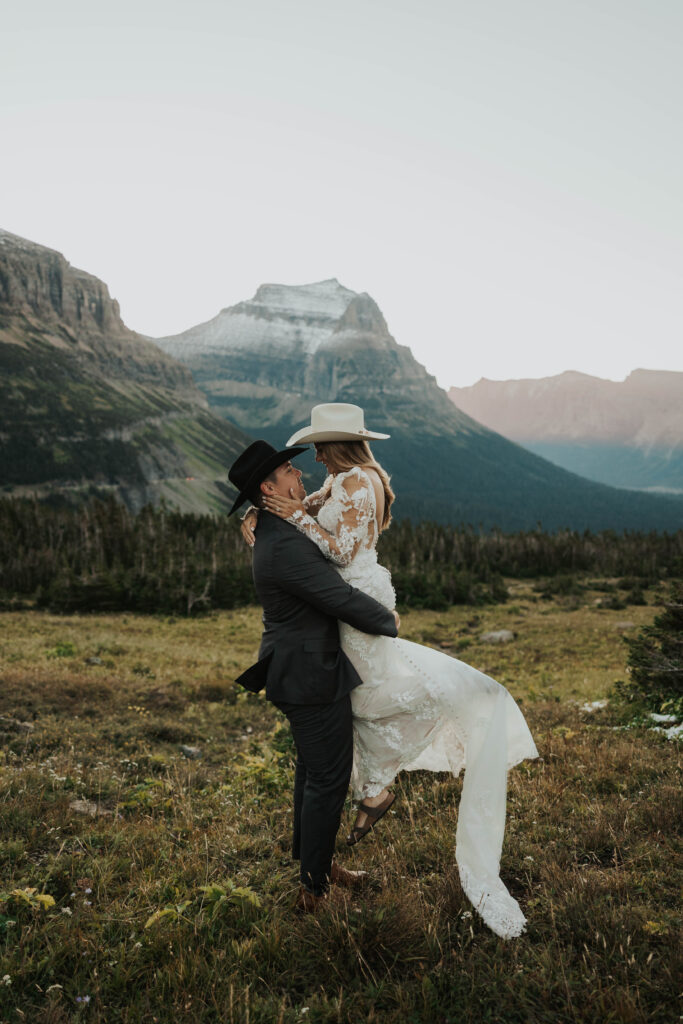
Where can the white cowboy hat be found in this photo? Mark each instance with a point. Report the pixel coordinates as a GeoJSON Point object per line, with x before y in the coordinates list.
{"type": "Point", "coordinates": [335, 421]}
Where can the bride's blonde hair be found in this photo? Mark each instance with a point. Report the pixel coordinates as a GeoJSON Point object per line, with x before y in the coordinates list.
{"type": "Point", "coordinates": [344, 455]}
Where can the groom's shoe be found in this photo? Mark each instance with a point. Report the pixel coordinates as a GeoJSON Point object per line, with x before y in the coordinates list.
{"type": "Point", "coordinates": [347, 879]}
{"type": "Point", "coordinates": [308, 903]}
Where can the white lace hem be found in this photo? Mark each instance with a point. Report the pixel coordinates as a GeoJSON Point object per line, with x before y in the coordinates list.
{"type": "Point", "coordinates": [497, 908]}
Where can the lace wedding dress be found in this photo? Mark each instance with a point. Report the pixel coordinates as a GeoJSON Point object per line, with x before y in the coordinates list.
{"type": "Point", "coordinates": [421, 709]}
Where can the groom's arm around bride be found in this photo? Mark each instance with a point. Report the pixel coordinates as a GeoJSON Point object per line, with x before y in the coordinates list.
{"type": "Point", "coordinates": [306, 674]}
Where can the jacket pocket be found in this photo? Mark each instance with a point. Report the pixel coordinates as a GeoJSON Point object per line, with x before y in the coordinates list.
{"type": "Point", "coordinates": [316, 645]}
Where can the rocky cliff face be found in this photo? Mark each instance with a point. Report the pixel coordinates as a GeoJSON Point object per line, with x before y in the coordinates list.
{"type": "Point", "coordinates": [40, 282]}
{"type": "Point", "coordinates": [73, 311]}
{"type": "Point", "coordinates": [85, 402]}
{"type": "Point", "coordinates": [291, 347]}
{"type": "Point", "coordinates": [628, 433]}
{"type": "Point", "coordinates": [265, 362]}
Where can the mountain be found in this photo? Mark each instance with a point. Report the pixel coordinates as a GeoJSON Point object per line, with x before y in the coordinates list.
{"type": "Point", "coordinates": [86, 403]}
{"type": "Point", "coordinates": [265, 362]}
{"type": "Point", "coordinates": [628, 433]}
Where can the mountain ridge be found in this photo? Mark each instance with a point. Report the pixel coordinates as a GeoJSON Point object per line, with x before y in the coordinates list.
{"type": "Point", "coordinates": [624, 433]}
{"type": "Point", "coordinates": [264, 367]}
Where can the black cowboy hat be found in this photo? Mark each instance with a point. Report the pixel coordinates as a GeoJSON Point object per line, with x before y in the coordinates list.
{"type": "Point", "coordinates": [254, 464]}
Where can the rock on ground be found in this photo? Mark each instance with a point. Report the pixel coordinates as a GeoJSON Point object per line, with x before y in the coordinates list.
{"type": "Point", "coordinates": [498, 636]}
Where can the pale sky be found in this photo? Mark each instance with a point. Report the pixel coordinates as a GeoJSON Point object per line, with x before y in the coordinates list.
{"type": "Point", "coordinates": [504, 177]}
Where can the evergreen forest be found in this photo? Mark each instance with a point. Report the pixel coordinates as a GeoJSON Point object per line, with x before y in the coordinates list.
{"type": "Point", "coordinates": [100, 557]}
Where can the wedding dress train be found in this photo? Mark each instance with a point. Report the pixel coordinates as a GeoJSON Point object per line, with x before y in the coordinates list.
{"type": "Point", "coordinates": [421, 709]}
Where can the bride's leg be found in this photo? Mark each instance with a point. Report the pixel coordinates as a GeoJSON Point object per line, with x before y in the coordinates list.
{"type": "Point", "coordinates": [375, 801]}
{"type": "Point", "coordinates": [362, 819]}
{"type": "Point", "coordinates": [374, 768]}
{"type": "Point", "coordinates": [369, 813]}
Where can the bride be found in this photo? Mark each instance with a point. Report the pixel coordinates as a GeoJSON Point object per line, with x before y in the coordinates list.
{"type": "Point", "coordinates": [418, 708]}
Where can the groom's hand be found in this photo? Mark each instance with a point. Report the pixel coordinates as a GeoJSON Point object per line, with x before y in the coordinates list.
{"type": "Point", "coordinates": [398, 621]}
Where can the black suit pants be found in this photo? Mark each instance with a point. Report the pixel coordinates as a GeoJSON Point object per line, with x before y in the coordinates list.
{"type": "Point", "coordinates": [323, 734]}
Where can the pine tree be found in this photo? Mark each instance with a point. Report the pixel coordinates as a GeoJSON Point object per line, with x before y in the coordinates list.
{"type": "Point", "coordinates": [656, 660]}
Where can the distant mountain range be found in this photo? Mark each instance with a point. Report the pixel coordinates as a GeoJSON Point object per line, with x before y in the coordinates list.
{"type": "Point", "coordinates": [263, 364]}
{"type": "Point", "coordinates": [628, 434]}
{"type": "Point", "coordinates": [87, 405]}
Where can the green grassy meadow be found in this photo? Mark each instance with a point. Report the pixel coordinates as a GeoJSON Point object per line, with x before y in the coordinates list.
{"type": "Point", "coordinates": [140, 883]}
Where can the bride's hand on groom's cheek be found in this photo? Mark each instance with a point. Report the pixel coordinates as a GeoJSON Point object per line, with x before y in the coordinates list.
{"type": "Point", "coordinates": [283, 507]}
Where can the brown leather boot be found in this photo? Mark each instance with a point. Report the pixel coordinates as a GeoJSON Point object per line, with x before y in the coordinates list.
{"type": "Point", "coordinates": [308, 903]}
{"type": "Point", "coordinates": [347, 879]}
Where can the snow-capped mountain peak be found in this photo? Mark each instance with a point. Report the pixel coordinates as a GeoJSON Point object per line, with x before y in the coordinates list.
{"type": "Point", "coordinates": [300, 318]}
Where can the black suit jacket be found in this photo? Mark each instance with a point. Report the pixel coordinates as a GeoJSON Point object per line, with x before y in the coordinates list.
{"type": "Point", "coordinates": [300, 660]}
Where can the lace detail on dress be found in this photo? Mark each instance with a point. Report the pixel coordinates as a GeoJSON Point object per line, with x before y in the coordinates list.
{"type": "Point", "coordinates": [315, 501]}
{"type": "Point", "coordinates": [352, 502]}
{"type": "Point", "coordinates": [421, 709]}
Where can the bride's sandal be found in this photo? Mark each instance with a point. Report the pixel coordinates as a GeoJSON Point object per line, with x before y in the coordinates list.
{"type": "Point", "coordinates": [372, 814]}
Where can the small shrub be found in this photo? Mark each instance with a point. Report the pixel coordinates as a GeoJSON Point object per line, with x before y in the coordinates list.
{"type": "Point", "coordinates": [559, 586]}
{"type": "Point", "coordinates": [143, 670]}
{"type": "Point", "coordinates": [603, 586]}
{"type": "Point", "coordinates": [64, 649]}
{"type": "Point", "coordinates": [656, 660]}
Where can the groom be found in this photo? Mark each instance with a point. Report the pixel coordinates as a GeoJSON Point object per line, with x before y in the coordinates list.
{"type": "Point", "coordinates": [304, 671]}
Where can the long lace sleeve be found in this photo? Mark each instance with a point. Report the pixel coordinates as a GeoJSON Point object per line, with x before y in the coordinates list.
{"type": "Point", "coordinates": [314, 502]}
{"type": "Point", "coordinates": [355, 512]}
